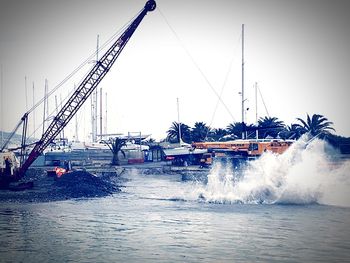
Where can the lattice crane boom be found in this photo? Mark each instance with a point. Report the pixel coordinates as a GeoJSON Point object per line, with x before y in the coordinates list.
{"type": "Point", "coordinates": [87, 86]}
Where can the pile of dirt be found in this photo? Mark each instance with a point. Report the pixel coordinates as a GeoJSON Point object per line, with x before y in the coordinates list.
{"type": "Point", "coordinates": [84, 184]}
{"type": "Point", "coordinates": [75, 184]}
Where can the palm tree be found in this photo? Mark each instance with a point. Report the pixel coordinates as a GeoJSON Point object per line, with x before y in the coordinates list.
{"type": "Point", "coordinates": [269, 126]}
{"type": "Point", "coordinates": [150, 141]}
{"type": "Point", "coordinates": [339, 142]}
{"type": "Point", "coordinates": [292, 132]}
{"type": "Point", "coordinates": [173, 133]}
{"type": "Point", "coordinates": [317, 125]}
{"type": "Point", "coordinates": [251, 131]}
{"type": "Point", "coordinates": [235, 129]}
{"type": "Point", "coordinates": [217, 134]}
{"type": "Point", "coordinates": [115, 145]}
{"type": "Point", "coordinates": [199, 132]}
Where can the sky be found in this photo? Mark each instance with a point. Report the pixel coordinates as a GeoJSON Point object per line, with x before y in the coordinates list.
{"type": "Point", "coordinates": [298, 53]}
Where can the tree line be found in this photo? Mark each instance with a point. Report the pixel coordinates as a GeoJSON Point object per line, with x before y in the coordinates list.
{"type": "Point", "coordinates": [267, 127]}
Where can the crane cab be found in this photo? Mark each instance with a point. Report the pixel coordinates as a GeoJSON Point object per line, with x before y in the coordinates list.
{"type": "Point", "coordinates": [9, 167]}
{"type": "Point", "coordinates": [257, 148]}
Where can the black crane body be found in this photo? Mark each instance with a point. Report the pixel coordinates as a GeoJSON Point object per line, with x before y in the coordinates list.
{"type": "Point", "coordinates": [87, 86]}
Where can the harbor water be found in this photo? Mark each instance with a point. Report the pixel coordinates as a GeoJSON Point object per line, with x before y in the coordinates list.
{"type": "Point", "coordinates": [258, 215]}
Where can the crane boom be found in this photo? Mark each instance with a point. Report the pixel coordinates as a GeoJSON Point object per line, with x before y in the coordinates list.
{"type": "Point", "coordinates": [87, 86]}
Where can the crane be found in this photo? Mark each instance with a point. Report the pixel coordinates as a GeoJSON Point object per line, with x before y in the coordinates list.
{"type": "Point", "coordinates": [86, 87]}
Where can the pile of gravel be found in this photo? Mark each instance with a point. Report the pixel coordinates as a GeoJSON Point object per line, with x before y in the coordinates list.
{"type": "Point", "coordinates": [75, 184]}
{"type": "Point", "coordinates": [78, 184]}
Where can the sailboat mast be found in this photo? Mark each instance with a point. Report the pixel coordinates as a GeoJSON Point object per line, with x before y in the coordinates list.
{"type": "Point", "coordinates": [76, 122]}
{"type": "Point", "coordinates": [243, 124]}
{"type": "Point", "coordinates": [33, 110]}
{"type": "Point", "coordinates": [2, 108]}
{"type": "Point", "coordinates": [94, 102]}
{"type": "Point", "coordinates": [61, 105]}
{"type": "Point", "coordinates": [45, 98]}
{"type": "Point", "coordinates": [256, 110]}
{"type": "Point", "coordinates": [96, 94]}
{"type": "Point", "coordinates": [178, 119]}
{"type": "Point", "coordinates": [92, 117]}
{"type": "Point", "coordinates": [101, 116]}
{"type": "Point", "coordinates": [26, 91]}
{"type": "Point", "coordinates": [57, 112]}
{"type": "Point", "coordinates": [105, 128]}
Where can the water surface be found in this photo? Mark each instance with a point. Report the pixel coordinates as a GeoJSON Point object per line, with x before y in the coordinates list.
{"type": "Point", "coordinates": [156, 219]}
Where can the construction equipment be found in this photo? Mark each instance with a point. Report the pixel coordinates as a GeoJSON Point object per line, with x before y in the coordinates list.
{"type": "Point", "coordinates": [87, 86]}
{"type": "Point", "coordinates": [240, 150]}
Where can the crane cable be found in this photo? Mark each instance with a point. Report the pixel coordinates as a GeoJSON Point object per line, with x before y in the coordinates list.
{"type": "Point", "coordinates": [195, 64]}
{"type": "Point", "coordinates": [225, 81]}
{"type": "Point", "coordinates": [223, 86]}
{"type": "Point", "coordinates": [268, 115]}
{"type": "Point", "coordinates": [68, 77]}
{"type": "Point", "coordinates": [86, 61]}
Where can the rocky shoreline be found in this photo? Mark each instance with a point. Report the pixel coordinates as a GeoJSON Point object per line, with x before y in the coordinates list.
{"type": "Point", "coordinates": [88, 182]}
{"type": "Point", "coordinates": [76, 184]}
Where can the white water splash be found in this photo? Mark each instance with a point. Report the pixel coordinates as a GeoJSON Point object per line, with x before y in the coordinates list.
{"type": "Point", "coordinates": [304, 174]}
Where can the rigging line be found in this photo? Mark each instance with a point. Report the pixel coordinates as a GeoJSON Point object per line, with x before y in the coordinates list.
{"type": "Point", "coordinates": [2, 104]}
{"type": "Point", "coordinates": [62, 102]}
{"type": "Point", "coordinates": [223, 86]}
{"type": "Point", "coordinates": [31, 136]}
{"type": "Point", "coordinates": [51, 115]}
{"type": "Point", "coordinates": [225, 81]}
{"type": "Point", "coordinates": [56, 109]}
{"type": "Point", "coordinates": [4, 144]}
{"type": "Point", "coordinates": [86, 61]}
{"type": "Point", "coordinates": [66, 79]}
{"type": "Point", "coordinates": [195, 64]}
{"type": "Point", "coordinates": [268, 115]}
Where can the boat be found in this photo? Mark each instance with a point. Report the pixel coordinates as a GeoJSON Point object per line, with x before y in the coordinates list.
{"type": "Point", "coordinates": [240, 150]}
{"type": "Point", "coordinates": [183, 150]}
{"type": "Point", "coordinates": [59, 145]}
{"type": "Point", "coordinates": [183, 154]}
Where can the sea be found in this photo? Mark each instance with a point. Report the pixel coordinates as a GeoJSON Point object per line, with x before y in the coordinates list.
{"type": "Point", "coordinates": [293, 207]}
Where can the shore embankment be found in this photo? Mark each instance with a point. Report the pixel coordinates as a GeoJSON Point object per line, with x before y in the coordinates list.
{"type": "Point", "coordinates": [86, 181]}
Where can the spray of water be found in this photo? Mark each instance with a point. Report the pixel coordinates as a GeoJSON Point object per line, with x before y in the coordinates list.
{"type": "Point", "coordinates": [304, 174]}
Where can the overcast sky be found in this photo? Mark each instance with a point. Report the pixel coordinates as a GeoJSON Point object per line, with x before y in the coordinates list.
{"type": "Point", "coordinates": [297, 51]}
